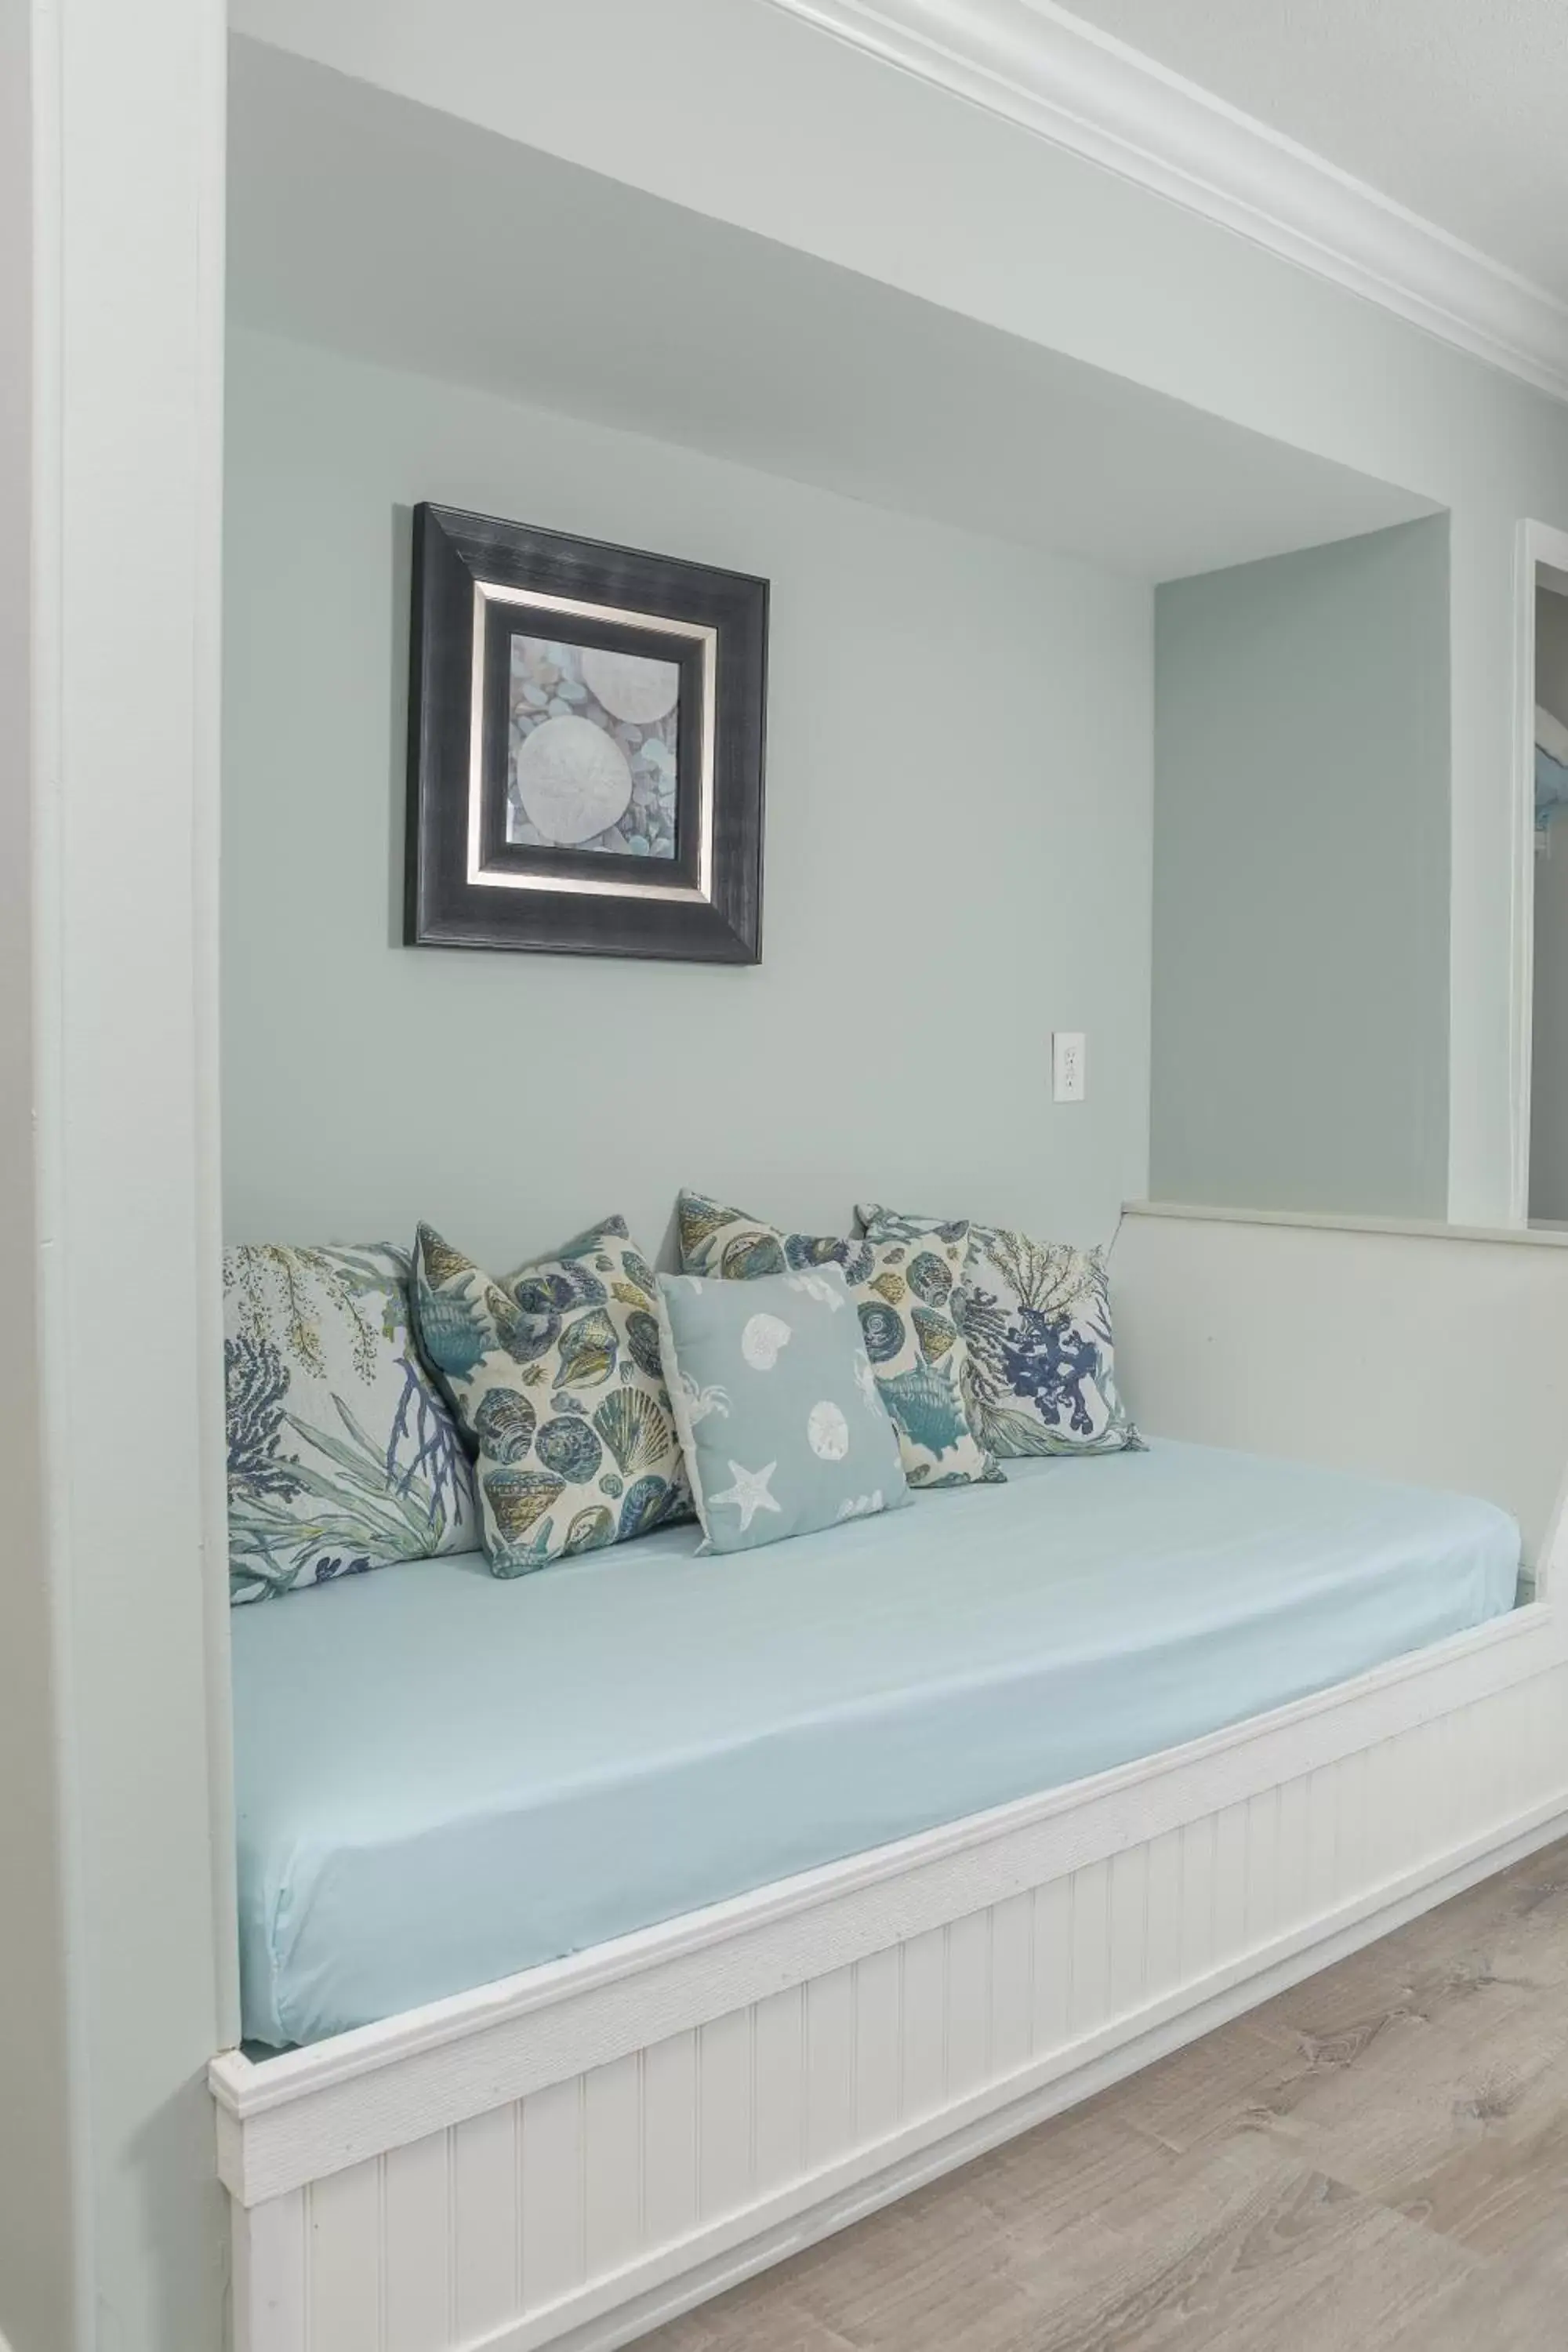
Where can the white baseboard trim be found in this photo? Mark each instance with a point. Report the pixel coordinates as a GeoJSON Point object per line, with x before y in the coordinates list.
{"type": "Point", "coordinates": [618, 2310]}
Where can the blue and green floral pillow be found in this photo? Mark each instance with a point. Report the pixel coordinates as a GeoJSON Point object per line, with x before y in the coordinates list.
{"type": "Point", "coordinates": [555, 1375]}
{"type": "Point", "coordinates": [342, 1454]}
{"type": "Point", "coordinates": [904, 1299]}
{"type": "Point", "coordinates": [782, 1425]}
{"type": "Point", "coordinates": [1036, 1317]}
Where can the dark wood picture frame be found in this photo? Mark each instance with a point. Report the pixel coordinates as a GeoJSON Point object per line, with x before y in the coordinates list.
{"type": "Point", "coordinates": [479, 581]}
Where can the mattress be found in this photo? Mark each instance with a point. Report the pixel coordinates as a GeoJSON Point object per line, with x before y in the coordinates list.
{"type": "Point", "coordinates": [443, 1778]}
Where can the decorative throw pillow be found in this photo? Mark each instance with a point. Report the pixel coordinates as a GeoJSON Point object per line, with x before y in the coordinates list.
{"type": "Point", "coordinates": [781, 1420]}
{"type": "Point", "coordinates": [342, 1455]}
{"type": "Point", "coordinates": [903, 1296]}
{"type": "Point", "coordinates": [719, 1241]}
{"type": "Point", "coordinates": [556, 1379]}
{"type": "Point", "coordinates": [1036, 1315]}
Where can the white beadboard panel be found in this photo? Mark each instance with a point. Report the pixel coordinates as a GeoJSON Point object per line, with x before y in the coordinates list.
{"type": "Point", "coordinates": [417, 2245]}
{"type": "Point", "coordinates": [1322, 1849]}
{"type": "Point", "coordinates": [1088, 1955]}
{"type": "Point", "coordinates": [879, 2043]}
{"type": "Point", "coordinates": [669, 2139]}
{"type": "Point", "coordinates": [724, 2113]}
{"type": "Point", "coordinates": [1128, 1933]}
{"type": "Point", "coordinates": [1261, 1907]}
{"type": "Point", "coordinates": [779, 2089]}
{"type": "Point", "coordinates": [641, 2183]}
{"type": "Point", "coordinates": [1012, 1982]}
{"type": "Point", "coordinates": [925, 2023]}
{"type": "Point", "coordinates": [1052, 1969]}
{"type": "Point", "coordinates": [1163, 1942]}
{"type": "Point", "coordinates": [1352, 1831]}
{"type": "Point", "coordinates": [555, 2259]}
{"type": "Point", "coordinates": [487, 2208]}
{"type": "Point", "coordinates": [1196, 1932]}
{"type": "Point", "coordinates": [269, 2306]}
{"type": "Point", "coordinates": [344, 2259]}
{"type": "Point", "coordinates": [1291, 1902]}
{"type": "Point", "coordinates": [830, 2066]}
{"type": "Point", "coordinates": [1230, 1879]}
{"type": "Point", "coordinates": [613, 2165]}
{"type": "Point", "coordinates": [969, 1994]}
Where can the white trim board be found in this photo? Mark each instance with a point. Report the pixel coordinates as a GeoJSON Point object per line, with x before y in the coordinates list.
{"type": "Point", "coordinates": [1036, 65]}
{"type": "Point", "coordinates": [1541, 549]}
{"type": "Point", "coordinates": [1334, 1221]}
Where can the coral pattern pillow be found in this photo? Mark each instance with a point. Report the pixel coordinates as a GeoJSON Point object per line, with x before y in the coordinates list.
{"type": "Point", "coordinates": [1036, 1317]}
{"type": "Point", "coordinates": [555, 1373]}
{"type": "Point", "coordinates": [782, 1425]}
{"type": "Point", "coordinates": [904, 1296]}
{"type": "Point", "coordinates": [342, 1454]}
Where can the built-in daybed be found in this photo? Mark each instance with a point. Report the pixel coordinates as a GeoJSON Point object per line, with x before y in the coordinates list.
{"type": "Point", "coordinates": [826, 1865]}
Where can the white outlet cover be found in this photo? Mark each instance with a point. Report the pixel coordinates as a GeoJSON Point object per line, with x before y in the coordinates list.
{"type": "Point", "coordinates": [1068, 1072]}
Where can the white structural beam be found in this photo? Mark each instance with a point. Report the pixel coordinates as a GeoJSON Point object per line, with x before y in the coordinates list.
{"type": "Point", "coordinates": [111, 286]}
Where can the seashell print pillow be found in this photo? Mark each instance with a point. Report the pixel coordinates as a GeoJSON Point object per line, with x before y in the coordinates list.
{"type": "Point", "coordinates": [904, 1296]}
{"type": "Point", "coordinates": [342, 1454]}
{"type": "Point", "coordinates": [1036, 1317]}
{"type": "Point", "coordinates": [782, 1425]}
{"type": "Point", "coordinates": [554, 1374]}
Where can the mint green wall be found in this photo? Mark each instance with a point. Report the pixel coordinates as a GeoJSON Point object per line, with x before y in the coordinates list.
{"type": "Point", "coordinates": [743, 110]}
{"type": "Point", "coordinates": [957, 860]}
{"type": "Point", "coordinates": [1549, 1029]}
{"type": "Point", "coordinates": [1301, 880]}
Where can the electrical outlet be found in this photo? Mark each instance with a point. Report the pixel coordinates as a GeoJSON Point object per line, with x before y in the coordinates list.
{"type": "Point", "coordinates": [1068, 1065]}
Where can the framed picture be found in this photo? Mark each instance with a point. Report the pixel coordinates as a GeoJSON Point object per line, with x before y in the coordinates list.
{"type": "Point", "coordinates": [586, 746]}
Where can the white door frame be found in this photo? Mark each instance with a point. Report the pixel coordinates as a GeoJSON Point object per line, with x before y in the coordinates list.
{"type": "Point", "coordinates": [1538, 543]}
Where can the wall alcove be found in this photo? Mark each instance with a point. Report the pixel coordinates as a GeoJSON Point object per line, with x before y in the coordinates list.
{"type": "Point", "coordinates": [651, 284]}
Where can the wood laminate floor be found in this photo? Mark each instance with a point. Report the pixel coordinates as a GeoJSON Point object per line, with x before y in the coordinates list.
{"type": "Point", "coordinates": [1376, 2161]}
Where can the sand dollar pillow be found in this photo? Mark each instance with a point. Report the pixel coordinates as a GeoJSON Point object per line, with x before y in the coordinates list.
{"type": "Point", "coordinates": [1036, 1316]}
{"type": "Point", "coordinates": [904, 1296]}
{"type": "Point", "coordinates": [782, 1425]}
{"type": "Point", "coordinates": [342, 1454]}
{"type": "Point", "coordinates": [555, 1373]}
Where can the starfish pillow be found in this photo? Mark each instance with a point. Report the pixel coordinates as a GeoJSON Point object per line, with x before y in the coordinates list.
{"type": "Point", "coordinates": [781, 1418]}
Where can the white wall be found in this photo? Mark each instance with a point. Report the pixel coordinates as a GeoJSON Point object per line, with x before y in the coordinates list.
{"type": "Point", "coordinates": [38, 2213]}
{"type": "Point", "coordinates": [111, 1975]}
{"type": "Point", "coordinates": [957, 859]}
{"type": "Point", "coordinates": [746, 112]}
{"type": "Point", "coordinates": [1302, 887]}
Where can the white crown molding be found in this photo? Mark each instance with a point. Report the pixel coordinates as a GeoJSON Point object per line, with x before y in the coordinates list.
{"type": "Point", "coordinates": [1039, 66]}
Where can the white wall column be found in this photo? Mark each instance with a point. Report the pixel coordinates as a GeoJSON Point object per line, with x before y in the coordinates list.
{"type": "Point", "coordinates": [112, 1815]}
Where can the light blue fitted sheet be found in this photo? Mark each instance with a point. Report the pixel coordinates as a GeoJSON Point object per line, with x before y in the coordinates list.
{"type": "Point", "coordinates": [443, 1778]}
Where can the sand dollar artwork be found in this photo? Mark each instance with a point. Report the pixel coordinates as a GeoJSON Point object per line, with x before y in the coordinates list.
{"type": "Point", "coordinates": [573, 780]}
{"type": "Point", "coordinates": [827, 1430]}
{"type": "Point", "coordinates": [762, 1339]}
{"type": "Point", "coordinates": [630, 686]}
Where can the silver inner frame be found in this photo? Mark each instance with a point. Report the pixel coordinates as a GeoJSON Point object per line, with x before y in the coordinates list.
{"type": "Point", "coordinates": [491, 877]}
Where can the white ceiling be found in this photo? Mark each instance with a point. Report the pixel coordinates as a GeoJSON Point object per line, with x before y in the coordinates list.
{"type": "Point", "coordinates": [370, 225]}
{"type": "Point", "coordinates": [1456, 109]}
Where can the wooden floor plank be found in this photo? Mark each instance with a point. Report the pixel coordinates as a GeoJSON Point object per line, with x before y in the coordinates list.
{"type": "Point", "coordinates": [1375, 2161]}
